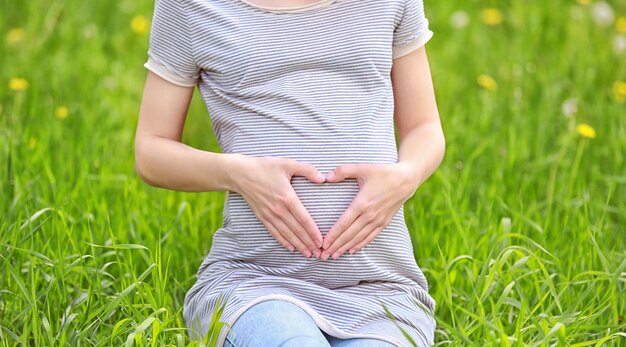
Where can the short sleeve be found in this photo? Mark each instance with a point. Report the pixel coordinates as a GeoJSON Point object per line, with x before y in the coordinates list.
{"type": "Point", "coordinates": [412, 31]}
{"type": "Point", "coordinates": [170, 54]}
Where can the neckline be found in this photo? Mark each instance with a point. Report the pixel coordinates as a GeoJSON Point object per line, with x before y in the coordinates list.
{"type": "Point", "coordinates": [288, 9]}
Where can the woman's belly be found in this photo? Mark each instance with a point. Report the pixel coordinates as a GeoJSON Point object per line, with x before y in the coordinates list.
{"type": "Point", "coordinates": [244, 242]}
{"type": "Point", "coordinates": [325, 203]}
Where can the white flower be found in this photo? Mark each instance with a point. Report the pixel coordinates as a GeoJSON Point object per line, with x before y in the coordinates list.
{"type": "Point", "coordinates": [602, 13]}
{"type": "Point", "coordinates": [459, 19]}
{"type": "Point", "coordinates": [569, 107]}
{"type": "Point", "coordinates": [619, 44]}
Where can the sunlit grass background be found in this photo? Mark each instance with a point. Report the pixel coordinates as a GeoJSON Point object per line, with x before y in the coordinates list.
{"type": "Point", "coordinates": [521, 232]}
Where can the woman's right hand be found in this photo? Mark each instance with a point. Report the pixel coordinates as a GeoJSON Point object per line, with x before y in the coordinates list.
{"type": "Point", "coordinates": [265, 184]}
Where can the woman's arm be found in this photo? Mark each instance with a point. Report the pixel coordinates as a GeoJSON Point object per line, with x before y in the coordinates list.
{"type": "Point", "coordinates": [421, 142]}
{"type": "Point", "coordinates": [161, 160]}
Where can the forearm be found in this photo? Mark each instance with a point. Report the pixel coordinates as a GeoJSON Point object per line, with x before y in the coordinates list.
{"type": "Point", "coordinates": [421, 151]}
{"type": "Point", "coordinates": [165, 163]}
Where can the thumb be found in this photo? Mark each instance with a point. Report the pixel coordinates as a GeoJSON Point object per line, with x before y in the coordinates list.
{"type": "Point", "coordinates": [342, 172]}
{"type": "Point", "coordinates": [307, 170]}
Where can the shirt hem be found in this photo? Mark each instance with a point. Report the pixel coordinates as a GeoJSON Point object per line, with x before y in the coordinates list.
{"type": "Point", "coordinates": [402, 50]}
{"type": "Point", "coordinates": [318, 4]}
{"type": "Point", "coordinates": [321, 322]}
{"type": "Point", "coordinates": [161, 70]}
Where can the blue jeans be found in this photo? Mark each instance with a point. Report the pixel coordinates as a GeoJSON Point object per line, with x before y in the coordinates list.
{"type": "Point", "coordinates": [281, 323]}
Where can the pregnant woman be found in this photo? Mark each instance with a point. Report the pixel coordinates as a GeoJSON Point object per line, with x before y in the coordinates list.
{"type": "Point", "coordinates": [303, 97]}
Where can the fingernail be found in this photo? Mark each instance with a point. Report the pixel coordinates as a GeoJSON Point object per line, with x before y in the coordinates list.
{"type": "Point", "coordinates": [325, 256]}
{"type": "Point", "coordinates": [318, 243]}
{"type": "Point", "coordinates": [351, 251]}
{"type": "Point", "coordinates": [330, 175]}
{"type": "Point", "coordinates": [317, 253]}
{"type": "Point", "coordinates": [336, 255]}
{"type": "Point", "coordinates": [321, 176]}
{"type": "Point", "coordinates": [291, 248]}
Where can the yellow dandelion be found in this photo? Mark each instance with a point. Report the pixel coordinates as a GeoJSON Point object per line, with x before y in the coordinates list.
{"type": "Point", "coordinates": [620, 25]}
{"type": "Point", "coordinates": [586, 131]}
{"type": "Point", "coordinates": [18, 84]}
{"type": "Point", "coordinates": [619, 91]}
{"type": "Point", "coordinates": [487, 82]}
{"type": "Point", "coordinates": [61, 112]}
{"type": "Point", "coordinates": [32, 142]}
{"type": "Point", "coordinates": [139, 24]}
{"type": "Point", "coordinates": [491, 16]}
{"type": "Point", "coordinates": [584, 2]}
{"type": "Point", "coordinates": [15, 35]}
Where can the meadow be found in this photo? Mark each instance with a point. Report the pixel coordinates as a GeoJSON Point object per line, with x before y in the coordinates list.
{"type": "Point", "coordinates": [521, 232]}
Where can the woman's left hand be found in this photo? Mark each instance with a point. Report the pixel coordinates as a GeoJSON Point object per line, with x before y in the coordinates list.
{"type": "Point", "coordinates": [383, 189]}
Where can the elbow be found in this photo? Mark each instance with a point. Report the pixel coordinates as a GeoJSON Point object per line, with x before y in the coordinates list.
{"type": "Point", "coordinates": [442, 142]}
{"type": "Point", "coordinates": [140, 165]}
{"type": "Point", "coordinates": [140, 170]}
{"type": "Point", "coordinates": [140, 173]}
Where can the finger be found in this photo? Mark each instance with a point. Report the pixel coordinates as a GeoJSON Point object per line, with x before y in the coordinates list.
{"type": "Point", "coordinates": [367, 240]}
{"type": "Point", "coordinates": [294, 221]}
{"type": "Point", "coordinates": [360, 236]}
{"type": "Point", "coordinates": [343, 171]}
{"type": "Point", "coordinates": [348, 217]}
{"type": "Point", "coordinates": [346, 236]}
{"type": "Point", "coordinates": [276, 234]}
{"type": "Point", "coordinates": [274, 231]}
{"type": "Point", "coordinates": [296, 228]}
{"type": "Point", "coordinates": [309, 171]}
{"type": "Point", "coordinates": [303, 217]}
{"type": "Point", "coordinates": [290, 236]}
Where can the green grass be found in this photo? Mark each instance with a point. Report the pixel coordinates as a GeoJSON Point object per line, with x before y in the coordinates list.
{"type": "Point", "coordinates": [521, 232]}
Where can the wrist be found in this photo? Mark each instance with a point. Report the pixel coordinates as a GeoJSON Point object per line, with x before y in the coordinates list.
{"type": "Point", "coordinates": [408, 175]}
{"type": "Point", "coordinates": [233, 166]}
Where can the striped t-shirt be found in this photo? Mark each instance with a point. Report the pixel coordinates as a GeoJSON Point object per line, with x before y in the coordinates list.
{"type": "Point", "coordinates": [311, 83]}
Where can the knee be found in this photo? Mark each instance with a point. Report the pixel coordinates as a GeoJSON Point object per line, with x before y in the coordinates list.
{"type": "Point", "coordinates": [276, 315]}
{"type": "Point", "coordinates": [278, 322]}
{"type": "Point", "coordinates": [282, 311]}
